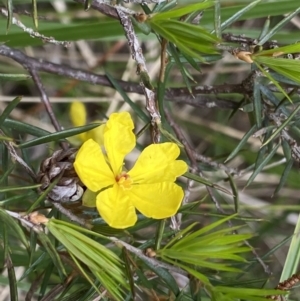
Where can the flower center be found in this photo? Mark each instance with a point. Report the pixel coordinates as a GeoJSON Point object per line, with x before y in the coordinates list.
{"type": "Point", "coordinates": [124, 180]}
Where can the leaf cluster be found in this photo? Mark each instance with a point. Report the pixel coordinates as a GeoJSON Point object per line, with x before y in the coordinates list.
{"type": "Point", "coordinates": [214, 260]}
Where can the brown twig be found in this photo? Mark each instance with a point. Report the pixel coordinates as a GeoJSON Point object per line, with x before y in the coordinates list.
{"type": "Point", "coordinates": [285, 285]}
{"type": "Point", "coordinates": [13, 153]}
{"type": "Point", "coordinates": [139, 253]}
{"type": "Point", "coordinates": [111, 51]}
{"type": "Point", "coordinates": [194, 165]}
{"type": "Point", "coordinates": [179, 95]}
{"type": "Point", "coordinates": [71, 216]}
{"type": "Point", "coordinates": [33, 33]}
{"type": "Point", "coordinates": [45, 100]}
{"type": "Point", "coordinates": [210, 162]}
{"type": "Point", "coordinates": [145, 81]}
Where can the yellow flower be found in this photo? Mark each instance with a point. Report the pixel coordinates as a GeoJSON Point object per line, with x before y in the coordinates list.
{"type": "Point", "coordinates": [148, 187]}
{"type": "Point", "coordinates": [78, 118]}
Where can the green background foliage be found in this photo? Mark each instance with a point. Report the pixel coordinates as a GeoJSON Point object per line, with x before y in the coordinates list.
{"type": "Point", "coordinates": [227, 90]}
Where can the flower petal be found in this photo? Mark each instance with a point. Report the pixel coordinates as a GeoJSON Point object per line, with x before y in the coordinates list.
{"type": "Point", "coordinates": [91, 167]}
{"type": "Point", "coordinates": [119, 139]}
{"type": "Point", "coordinates": [97, 133]}
{"type": "Point", "coordinates": [78, 113]}
{"type": "Point", "coordinates": [115, 208]}
{"type": "Point", "coordinates": [157, 164]}
{"type": "Point", "coordinates": [78, 117]}
{"type": "Point", "coordinates": [158, 200]}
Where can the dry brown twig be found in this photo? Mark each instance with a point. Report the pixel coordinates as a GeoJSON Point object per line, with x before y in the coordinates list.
{"type": "Point", "coordinates": [32, 32]}
{"type": "Point", "coordinates": [137, 55]}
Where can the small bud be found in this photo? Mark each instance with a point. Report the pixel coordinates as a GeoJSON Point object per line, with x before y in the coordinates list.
{"type": "Point", "coordinates": [37, 218]}
{"type": "Point", "coordinates": [150, 253]}
{"type": "Point", "coordinates": [140, 17]}
{"type": "Point", "coordinates": [244, 56]}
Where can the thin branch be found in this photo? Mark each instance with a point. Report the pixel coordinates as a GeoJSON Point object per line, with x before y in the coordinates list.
{"type": "Point", "coordinates": [295, 149]}
{"type": "Point", "coordinates": [194, 165]}
{"type": "Point", "coordinates": [200, 101]}
{"type": "Point", "coordinates": [13, 153]}
{"type": "Point", "coordinates": [105, 9]}
{"type": "Point", "coordinates": [139, 253]}
{"type": "Point", "coordinates": [71, 216]}
{"type": "Point", "coordinates": [31, 32]}
{"type": "Point", "coordinates": [217, 165]}
{"type": "Point", "coordinates": [137, 55]}
{"type": "Point", "coordinates": [45, 99]}
{"type": "Point", "coordinates": [180, 95]}
{"type": "Point", "coordinates": [22, 219]}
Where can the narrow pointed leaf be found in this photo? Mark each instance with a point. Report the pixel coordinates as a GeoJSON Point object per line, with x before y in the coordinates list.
{"type": "Point", "coordinates": [35, 14]}
{"type": "Point", "coordinates": [257, 101]}
{"type": "Point", "coordinates": [206, 182]}
{"type": "Point", "coordinates": [143, 116]}
{"type": "Point", "coordinates": [87, 4]}
{"type": "Point", "coordinates": [127, 261]}
{"type": "Point", "coordinates": [9, 109]}
{"type": "Point", "coordinates": [265, 28]}
{"type": "Point", "coordinates": [48, 245]}
{"type": "Point", "coordinates": [287, 67]}
{"type": "Point", "coordinates": [14, 226]}
{"type": "Point", "coordinates": [284, 175]}
{"type": "Point", "coordinates": [202, 231]}
{"type": "Point", "coordinates": [7, 172]}
{"type": "Point", "coordinates": [293, 257]}
{"type": "Point", "coordinates": [181, 67]}
{"type": "Point", "coordinates": [238, 14]}
{"type": "Point", "coordinates": [9, 7]}
{"type": "Point", "coordinates": [23, 127]}
{"type": "Point", "coordinates": [164, 274]}
{"type": "Point", "coordinates": [178, 12]}
{"type": "Point", "coordinates": [286, 149]}
{"type": "Point", "coordinates": [242, 143]}
{"type": "Point", "coordinates": [293, 48]}
{"type": "Point", "coordinates": [235, 193]}
{"type": "Point", "coordinates": [15, 188]}
{"type": "Point", "coordinates": [57, 136]}
{"type": "Point", "coordinates": [269, 76]}
{"type": "Point", "coordinates": [273, 98]}
{"type": "Point", "coordinates": [278, 26]}
{"type": "Point", "coordinates": [13, 77]}
{"type": "Point", "coordinates": [13, 287]}
{"type": "Point", "coordinates": [283, 125]}
{"type": "Point", "coordinates": [262, 165]}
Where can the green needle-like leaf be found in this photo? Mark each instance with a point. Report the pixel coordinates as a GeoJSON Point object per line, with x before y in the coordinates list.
{"type": "Point", "coordinates": [283, 125]}
{"type": "Point", "coordinates": [257, 101]}
{"type": "Point", "coordinates": [287, 67]}
{"type": "Point", "coordinates": [9, 6]}
{"type": "Point", "coordinates": [238, 14]}
{"type": "Point", "coordinates": [59, 135]}
{"type": "Point", "coordinates": [293, 257]}
{"type": "Point", "coordinates": [262, 165]}
{"type": "Point", "coordinates": [284, 175]}
{"type": "Point", "coordinates": [184, 10]}
{"type": "Point", "coordinates": [14, 226]}
{"type": "Point", "coordinates": [242, 143]}
{"type": "Point", "coordinates": [278, 26]}
{"type": "Point", "coordinates": [9, 108]}
{"type": "Point", "coordinates": [124, 95]}
{"type": "Point", "coordinates": [35, 14]}
{"type": "Point", "coordinates": [101, 261]}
